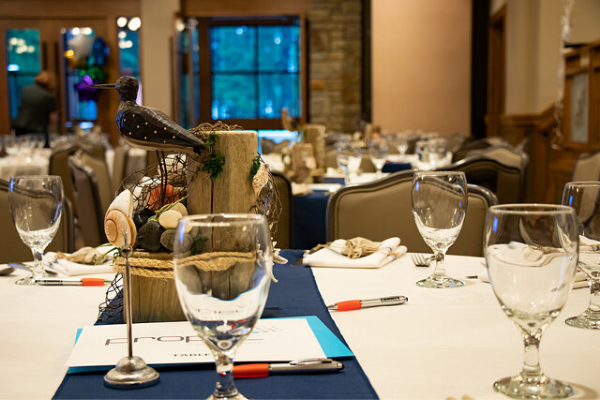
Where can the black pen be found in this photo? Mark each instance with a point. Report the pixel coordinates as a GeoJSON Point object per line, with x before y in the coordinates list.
{"type": "Point", "coordinates": [350, 305]}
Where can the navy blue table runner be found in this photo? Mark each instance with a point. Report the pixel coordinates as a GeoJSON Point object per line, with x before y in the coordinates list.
{"type": "Point", "coordinates": [295, 294]}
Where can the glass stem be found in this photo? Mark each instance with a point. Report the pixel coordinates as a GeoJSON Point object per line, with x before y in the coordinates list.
{"type": "Point", "coordinates": [531, 363]}
{"type": "Point", "coordinates": [595, 297]}
{"type": "Point", "coordinates": [225, 387]}
{"type": "Point", "coordinates": [440, 270]}
{"type": "Point", "coordinates": [38, 268]}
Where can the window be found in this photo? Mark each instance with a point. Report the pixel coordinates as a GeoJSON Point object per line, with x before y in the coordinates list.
{"type": "Point", "coordinates": [23, 63]}
{"type": "Point", "coordinates": [249, 70]}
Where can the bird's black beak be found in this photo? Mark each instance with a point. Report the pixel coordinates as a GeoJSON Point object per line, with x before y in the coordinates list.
{"type": "Point", "coordinates": [103, 85]}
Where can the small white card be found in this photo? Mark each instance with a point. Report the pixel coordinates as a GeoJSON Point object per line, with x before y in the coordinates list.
{"type": "Point", "coordinates": [163, 343]}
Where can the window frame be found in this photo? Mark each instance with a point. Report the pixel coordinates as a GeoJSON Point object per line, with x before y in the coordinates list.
{"type": "Point", "coordinates": [205, 74]}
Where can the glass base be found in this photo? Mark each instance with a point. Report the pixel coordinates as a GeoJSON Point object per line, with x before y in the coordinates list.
{"type": "Point", "coordinates": [437, 282]}
{"type": "Point", "coordinates": [237, 396]}
{"type": "Point", "coordinates": [587, 320]}
{"type": "Point", "coordinates": [28, 280]}
{"type": "Point", "coordinates": [539, 387]}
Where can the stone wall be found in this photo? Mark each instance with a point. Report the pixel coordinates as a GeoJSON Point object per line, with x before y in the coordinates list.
{"type": "Point", "coordinates": [335, 64]}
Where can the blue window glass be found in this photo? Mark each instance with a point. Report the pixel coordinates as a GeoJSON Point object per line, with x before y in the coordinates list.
{"type": "Point", "coordinates": [23, 63]}
{"type": "Point", "coordinates": [255, 71]}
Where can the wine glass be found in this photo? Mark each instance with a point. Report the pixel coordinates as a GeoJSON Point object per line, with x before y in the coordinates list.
{"type": "Point", "coordinates": [223, 265]}
{"type": "Point", "coordinates": [439, 205]}
{"type": "Point", "coordinates": [348, 159]}
{"type": "Point", "coordinates": [402, 142]}
{"type": "Point", "coordinates": [36, 203]}
{"type": "Point", "coordinates": [378, 151]}
{"type": "Point", "coordinates": [531, 255]}
{"type": "Point", "coordinates": [584, 197]}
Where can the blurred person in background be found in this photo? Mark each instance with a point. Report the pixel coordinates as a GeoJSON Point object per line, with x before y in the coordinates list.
{"type": "Point", "coordinates": [37, 112]}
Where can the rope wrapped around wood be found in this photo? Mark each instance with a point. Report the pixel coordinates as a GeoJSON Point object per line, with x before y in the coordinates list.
{"type": "Point", "coordinates": [160, 265]}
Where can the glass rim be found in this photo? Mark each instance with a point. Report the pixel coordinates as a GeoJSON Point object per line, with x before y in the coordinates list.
{"type": "Point", "coordinates": [438, 172]}
{"type": "Point", "coordinates": [34, 177]}
{"type": "Point", "coordinates": [531, 209]}
{"type": "Point", "coordinates": [583, 183]}
{"type": "Point", "coordinates": [235, 219]}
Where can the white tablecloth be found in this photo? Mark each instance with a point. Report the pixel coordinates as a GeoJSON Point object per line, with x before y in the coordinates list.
{"type": "Point", "coordinates": [450, 343]}
{"type": "Point", "coordinates": [444, 343]}
{"type": "Point", "coordinates": [15, 165]}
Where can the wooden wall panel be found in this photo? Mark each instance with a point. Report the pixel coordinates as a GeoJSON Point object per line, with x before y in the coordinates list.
{"type": "Point", "coordinates": [212, 8]}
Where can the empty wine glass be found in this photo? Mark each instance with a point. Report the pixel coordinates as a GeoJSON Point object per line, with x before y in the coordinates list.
{"type": "Point", "coordinates": [531, 255]}
{"type": "Point", "coordinates": [439, 205]}
{"type": "Point", "coordinates": [348, 159]}
{"type": "Point", "coordinates": [402, 142]}
{"type": "Point", "coordinates": [584, 197]}
{"type": "Point", "coordinates": [223, 265]}
{"type": "Point", "coordinates": [378, 151]}
{"type": "Point", "coordinates": [36, 203]}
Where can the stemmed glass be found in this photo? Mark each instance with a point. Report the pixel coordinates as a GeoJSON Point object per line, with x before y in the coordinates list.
{"type": "Point", "coordinates": [584, 197]}
{"type": "Point", "coordinates": [36, 203]}
{"type": "Point", "coordinates": [348, 159]}
{"type": "Point", "coordinates": [531, 255]}
{"type": "Point", "coordinates": [378, 151]}
{"type": "Point", "coordinates": [223, 265]}
{"type": "Point", "coordinates": [439, 204]}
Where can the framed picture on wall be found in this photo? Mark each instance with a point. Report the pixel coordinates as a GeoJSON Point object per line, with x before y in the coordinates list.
{"type": "Point", "coordinates": [579, 108]}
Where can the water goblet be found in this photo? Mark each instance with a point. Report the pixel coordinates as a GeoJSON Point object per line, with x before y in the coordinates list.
{"type": "Point", "coordinates": [36, 203]}
{"type": "Point", "coordinates": [348, 159]}
{"type": "Point", "coordinates": [531, 256]}
{"type": "Point", "coordinates": [439, 204]}
{"type": "Point", "coordinates": [378, 151]}
{"type": "Point", "coordinates": [223, 268]}
{"type": "Point", "coordinates": [584, 197]}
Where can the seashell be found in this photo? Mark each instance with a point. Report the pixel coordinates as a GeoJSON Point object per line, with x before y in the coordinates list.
{"type": "Point", "coordinates": [119, 228]}
{"type": "Point", "coordinates": [169, 219]}
{"type": "Point", "coordinates": [118, 221]}
{"type": "Point", "coordinates": [260, 179]}
{"type": "Point", "coordinates": [124, 203]}
{"type": "Point", "coordinates": [180, 208]}
{"type": "Point", "coordinates": [154, 198]}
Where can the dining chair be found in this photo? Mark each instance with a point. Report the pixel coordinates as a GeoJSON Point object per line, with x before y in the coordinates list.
{"type": "Point", "coordinates": [382, 209]}
{"type": "Point", "coordinates": [121, 158]}
{"type": "Point", "coordinates": [505, 154]}
{"type": "Point", "coordinates": [587, 167]}
{"type": "Point", "coordinates": [505, 181]}
{"type": "Point", "coordinates": [58, 164]}
{"type": "Point", "coordinates": [92, 193]}
{"type": "Point", "coordinates": [12, 248]}
{"type": "Point", "coordinates": [285, 225]}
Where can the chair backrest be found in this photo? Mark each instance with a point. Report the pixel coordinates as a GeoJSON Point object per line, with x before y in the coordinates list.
{"type": "Point", "coordinates": [12, 249]}
{"type": "Point", "coordinates": [587, 167]}
{"type": "Point", "coordinates": [505, 181]}
{"type": "Point", "coordinates": [382, 209]}
{"type": "Point", "coordinates": [285, 225]}
{"type": "Point", "coordinates": [58, 165]}
{"type": "Point", "coordinates": [120, 160]}
{"type": "Point", "coordinates": [87, 191]}
{"type": "Point", "coordinates": [507, 155]}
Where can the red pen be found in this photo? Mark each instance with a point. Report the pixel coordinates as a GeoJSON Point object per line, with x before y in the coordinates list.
{"type": "Point", "coordinates": [263, 369]}
{"type": "Point", "coordinates": [72, 282]}
{"type": "Point", "coordinates": [350, 305]}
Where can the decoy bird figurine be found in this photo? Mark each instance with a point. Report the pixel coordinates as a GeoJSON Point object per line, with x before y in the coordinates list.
{"type": "Point", "coordinates": [146, 127]}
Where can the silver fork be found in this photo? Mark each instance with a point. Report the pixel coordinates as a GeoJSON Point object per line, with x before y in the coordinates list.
{"type": "Point", "coordinates": [420, 260]}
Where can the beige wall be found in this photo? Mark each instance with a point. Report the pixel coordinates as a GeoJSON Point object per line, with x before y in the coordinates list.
{"type": "Point", "coordinates": [421, 65]}
{"type": "Point", "coordinates": [156, 33]}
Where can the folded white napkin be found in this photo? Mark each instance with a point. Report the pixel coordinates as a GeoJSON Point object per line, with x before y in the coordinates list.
{"type": "Point", "coordinates": [578, 283]}
{"type": "Point", "coordinates": [70, 268]}
{"type": "Point", "coordinates": [389, 250]}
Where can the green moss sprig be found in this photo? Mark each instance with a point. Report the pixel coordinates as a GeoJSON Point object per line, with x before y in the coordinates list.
{"type": "Point", "coordinates": [214, 164]}
{"type": "Point", "coordinates": [254, 168]}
